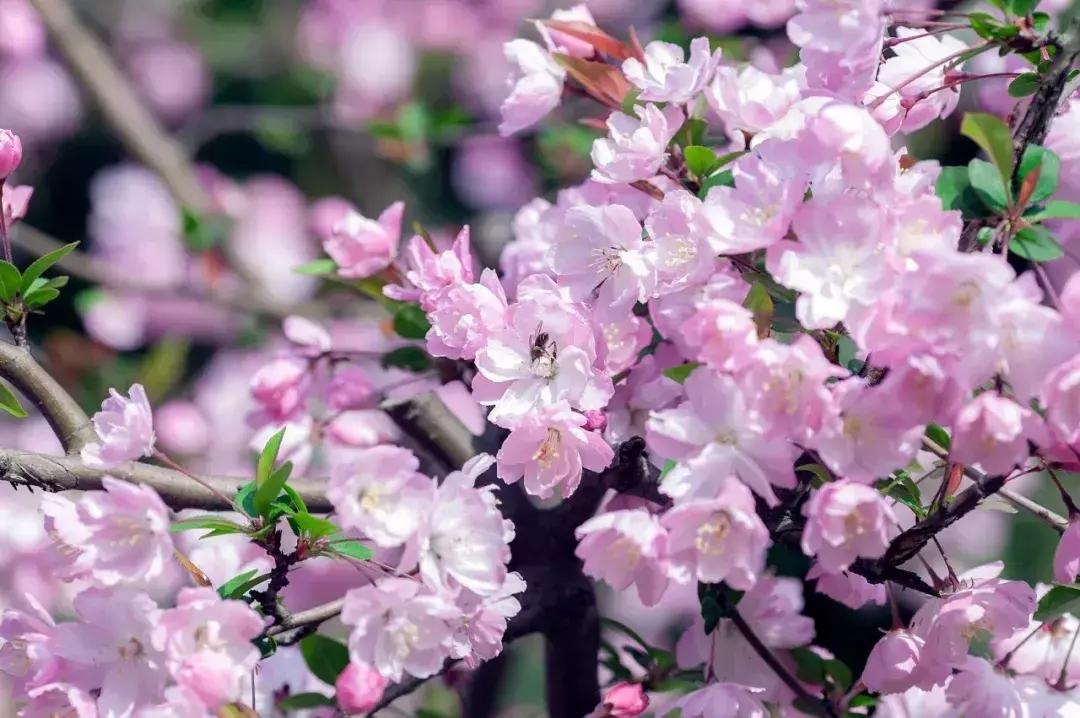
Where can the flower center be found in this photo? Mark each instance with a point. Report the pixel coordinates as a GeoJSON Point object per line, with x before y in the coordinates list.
{"type": "Point", "coordinates": [549, 450]}
{"type": "Point", "coordinates": [711, 534]}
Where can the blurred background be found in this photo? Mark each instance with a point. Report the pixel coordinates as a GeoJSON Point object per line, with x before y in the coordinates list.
{"type": "Point", "coordinates": [284, 104]}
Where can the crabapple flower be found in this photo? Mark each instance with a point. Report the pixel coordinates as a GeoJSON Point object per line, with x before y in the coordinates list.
{"type": "Point", "coordinates": [309, 338]}
{"type": "Point", "coordinates": [626, 548]}
{"type": "Point", "coordinates": [789, 383]}
{"type": "Point", "coordinates": [359, 688]}
{"type": "Point", "coordinates": [465, 315]}
{"type": "Point", "coordinates": [25, 656]}
{"type": "Point", "coordinates": [60, 699]}
{"type": "Point", "coordinates": [915, 71]}
{"type": "Point", "coordinates": [635, 147]}
{"type": "Point", "coordinates": [119, 535]}
{"type": "Point", "coordinates": [993, 432]}
{"type": "Point", "coordinates": [479, 636]}
{"type": "Point", "coordinates": [756, 212]}
{"type": "Point", "coordinates": [722, 700]}
{"type": "Point", "coordinates": [463, 539]}
{"type": "Point", "coordinates": [399, 626]}
{"type": "Point", "coordinates": [11, 152]}
{"type": "Point", "coordinates": [536, 83]}
{"type": "Point", "coordinates": [750, 99]}
{"type": "Point", "coordinates": [625, 700]}
{"type": "Point", "coordinates": [682, 256]}
{"type": "Point", "coordinates": [1061, 395]}
{"type": "Point", "coordinates": [665, 74]}
{"type": "Point", "coordinates": [844, 521]}
{"type": "Point", "coordinates": [847, 587]}
{"type": "Point", "coordinates": [722, 333]}
{"type": "Point", "coordinates": [1067, 555]}
{"type": "Point", "coordinates": [714, 436]}
{"type": "Point", "coordinates": [430, 272]}
{"type": "Point", "coordinates": [113, 641]}
{"type": "Point", "coordinates": [560, 41]}
{"type": "Point", "coordinates": [380, 493]}
{"type": "Point", "coordinates": [601, 251]}
{"type": "Point", "coordinates": [893, 662]}
{"type": "Point", "coordinates": [125, 428]}
{"type": "Point", "coordinates": [279, 389]}
{"type": "Point", "coordinates": [208, 646]}
{"type": "Point", "coordinates": [981, 689]}
{"type": "Point", "coordinates": [718, 539]}
{"type": "Point", "coordinates": [362, 247]}
{"type": "Point", "coordinates": [549, 449]}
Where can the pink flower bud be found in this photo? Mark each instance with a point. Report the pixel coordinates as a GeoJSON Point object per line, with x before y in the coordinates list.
{"type": "Point", "coordinates": [359, 688]}
{"type": "Point", "coordinates": [625, 700]}
{"type": "Point", "coordinates": [595, 420]}
{"type": "Point", "coordinates": [10, 153]}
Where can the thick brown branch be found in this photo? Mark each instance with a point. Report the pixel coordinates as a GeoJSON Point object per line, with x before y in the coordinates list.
{"type": "Point", "coordinates": [66, 473]}
{"type": "Point", "coordinates": [67, 419]}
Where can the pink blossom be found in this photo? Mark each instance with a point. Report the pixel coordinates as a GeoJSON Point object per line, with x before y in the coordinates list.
{"type": "Point", "coordinates": [119, 535]}
{"type": "Point", "coordinates": [682, 255]}
{"type": "Point", "coordinates": [666, 75]}
{"type": "Point", "coordinates": [60, 699]}
{"type": "Point", "coordinates": [399, 626]}
{"type": "Point", "coordinates": [280, 389]}
{"type": "Point", "coordinates": [982, 689]}
{"type": "Point", "coordinates": [635, 147]}
{"type": "Point", "coordinates": [844, 521]}
{"type": "Point", "coordinates": [560, 41]}
{"type": "Point", "coordinates": [112, 641]}
{"type": "Point", "coordinates": [714, 436]}
{"type": "Point", "coordinates": [25, 656]}
{"type": "Point", "coordinates": [625, 700]}
{"type": "Point", "coordinates": [993, 432]}
{"type": "Point", "coordinates": [722, 700]}
{"type": "Point", "coordinates": [465, 315]}
{"type": "Point", "coordinates": [1061, 395]}
{"type": "Point", "coordinates": [786, 385]}
{"type": "Point", "coordinates": [380, 493]}
{"type": "Point", "coordinates": [181, 427]}
{"type": "Point", "coordinates": [756, 212]}
{"type": "Point", "coordinates": [832, 264]}
{"type": "Point", "coordinates": [463, 540]}
{"type": "Point", "coordinates": [914, 58]}
{"type": "Point", "coordinates": [722, 334]}
{"type": "Point", "coordinates": [310, 338]}
{"type": "Point", "coordinates": [626, 548]}
{"type": "Point", "coordinates": [430, 271]}
{"type": "Point", "coordinates": [621, 342]}
{"type": "Point", "coordinates": [535, 83]}
{"type": "Point", "coordinates": [549, 448]}
{"type": "Point", "coordinates": [325, 214]}
{"type": "Point", "coordinates": [893, 662]}
{"type": "Point", "coordinates": [480, 635]}
{"type": "Point", "coordinates": [750, 99]}
{"type": "Point", "coordinates": [359, 688]}
{"type": "Point", "coordinates": [125, 429]}
{"type": "Point", "coordinates": [16, 201]}
{"type": "Point", "coordinates": [11, 151]}
{"type": "Point", "coordinates": [207, 644]}
{"type": "Point", "coordinates": [601, 251]}
{"type": "Point", "coordinates": [171, 76]}
{"type": "Point", "coordinates": [362, 428]}
{"type": "Point", "coordinates": [362, 247]}
{"type": "Point", "coordinates": [847, 587]}
{"type": "Point", "coordinates": [718, 539]}
{"type": "Point", "coordinates": [1067, 555]}
{"type": "Point", "coordinates": [840, 41]}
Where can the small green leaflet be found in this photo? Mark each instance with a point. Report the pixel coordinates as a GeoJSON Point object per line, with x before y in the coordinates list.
{"type": "Point", "coordinates": [992, 135]}
{"type": "Point", "coordinates": [325, 657]}
{"type": "Point", "coordinates": [317, 267]}
{"type": "Point", "coordinates": [1059, 600]}
{"type": "Point", "coordinates": [10, 403]}
{"type": "Point", "coordinates": [681, 372]}
{"type": "Point", "coordinates": [268, 457]}
{"type": "Point", "coordinates": [351, 548]}
{"type": "Point", "coordinates": [1049, 170]}
{"type": "Point", "coordinates": [300, 701]}
{"type": "Point", "coordinates": [237, 586]}
{"type": "Point", "coordinates": [939, 436]}
{"type": "Point", "coordinates": [1055, 209]}
{"type": "Point", "coordinates": [10, 281]}
{"type": "Point", "coordinates": [211, 522]}
{"type": "Point", "coordinates": [1035, 243]}
{"type": "Point", "coordinates": [1024, 85]}
{"type": "Point", "coordinates": [410, 322]}
{"type": "Point", "coordinates": [987, 184]}
{"type": "Point", "coordinates": [412, 359]}
{"type": "Point", "coordinates": [701, 161]}
{"type": "Point", "coordinates": [269, 490]}
{"type": "Point", "coordinates": [40, 265]}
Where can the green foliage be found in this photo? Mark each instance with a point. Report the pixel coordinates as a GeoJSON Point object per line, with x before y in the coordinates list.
{"type": "Point", "coordinates": [300, 701]}
{"type": "Point", "coordinates": [325, 657]}
{"type": "Point", "coordinates": [680, 372]}
{"type": "Point", "coordinates": [1055, 209]}
{"type": "Point", "coordinates": [1024, 85]}
{"type": "Point", "coordinates": [905, 491]}
{"type": "Point", "coordinates": [237, 586]}
{"type": "Point", "coordinates": [992, 135]}
{"type": "Point", "coordinates": [701, 161]}
{"type": "Point", "coordinates": [217, 525]}
{"type": "Point", "coordinates": [412, 359]}
{"type": "Point", "coordinates": [350, 548]}
{"type": "Point", "coordinates": [10, 403]}
{"type": "Point", "coordinates": [1059, 600]}
{"type": "Point", "coordinates": [1035, 243]}
{"type": "Point", "coordinates": [939, 436]}
{"type": "Point", "coordinates": [761, 305]}
{"type": "Point", "coordinates": [410, 322]}
{"type": "Point", "coordinates": [1049, 167]}
{"type": "Point", "coordinates": [718, 600]}
{"type": "Point", "coordinates": [723, 178]}
{"type": "Point", "coordinates": [318, 267]}
{"type": "Point", "coordinates": [988, 185]}
{"type": "Point", "coordinates": [202, 233]}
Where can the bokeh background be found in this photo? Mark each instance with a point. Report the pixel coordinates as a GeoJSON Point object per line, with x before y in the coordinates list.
{"type": "Point", "coordinates": [284, 103]}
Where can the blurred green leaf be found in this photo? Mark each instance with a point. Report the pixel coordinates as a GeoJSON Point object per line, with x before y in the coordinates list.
{"type": "Point", "coordinates": [992, 135]}
{"type": "Point", "coordinates": [411, 322]}
{"type": "Point", "coordinates": [163, 367]}
{"type": "Point", "coordinates": [351, 548]}
{"type": "Point", "coordinates": [317, 267]}
{"type": "Point", "coordinates": [268, 457]}
{"type": "Point", "coordinates": [1059, 600]}
{"type": "Point", "coordinates": [1049, 170]}
{"type": "Point", "coordinates": [988, 185]}
{"type": "Point", "coordinates": [325, 657]}
{"type": "Point", "coordinates": [760, 304]}
{"type": "Point", "coordinates": [314, 527]}
{"type": "Point", "coordinates": [681, 372]}
{"type": "Point", "coordinates": [10, 280]}
{"type": "Point", "coordinates": [1036, 244]}
{"type": "Point", "coordinates": [412, 359]}
{"type": "Point", "coordinates": [1024, 85]}
{"type": "Point", "coordinates": [271, 488]}
{"type": "Point", "coordinates": [1055, 209]}
{"type": "Point", "coordinates": [701, 161]}
{"type": "Point", "coordinates": [939, 436]}
{"type": "Point", "coordinates": [237, 586]}
{"type": "Point", "coordinates": [300, 701]}
{"type": "Point", "coordinates": [10, 403]}
{"type": "Point", "coordinates": [213, 522]}
{"type": "Point", "coordinates": [723, 178]}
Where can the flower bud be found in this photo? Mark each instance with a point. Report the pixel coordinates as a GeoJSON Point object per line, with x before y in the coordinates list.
{"type": "Point", "coordinates": [359, 688]}
{"type": "Point", "coordinates": [625, 700]}
{"type": "Point", "coordinates": [10, 153]}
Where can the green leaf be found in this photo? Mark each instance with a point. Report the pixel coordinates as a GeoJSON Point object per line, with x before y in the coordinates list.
{"type": "Point", "coordinates": [314, 527]}
{"type": "Point", "coordinates": [939, 436]}
{"type": "Point", "coordinates": [10, 403]}
{"type": "Point", "coordinates": [1035, 243]}
{"type": "Point", "coordinates": [701, 161]}
{"type": "Point", "coordinates": [271, 488]}
{"type": "Point", "coordinates": [680, 372]}
{"type": "Point", "coordinates": [10, 280]}
{"type": "Point", "coordinates": [317, 267]}
{"type": "Point", "coordinates": [226, 589]}
{"type": "Point", "coordinates": [1055, 209]}
{"type": "Point", "coordinates": [820, 473]}
{"type": "Point", "coordinates": [984, 24]}
{"type": "Point", "coordinates": [906, 491]}
{"type": "Point", "coordinates": [39, 265]}
{"type": "Point", "coordinates": [268, 457]}
{"type": "Point", "coordinates": [955, 190]}
{"type": "Point", "coordinates": [668, 466]}
{"type": "Point", "coordinates": [1040, 21]}
{"type": "Point", "coordinates": [40, 297]}
{"type": "Point", "coordinates": [629, 100]}
{"type": "Point", "coordinates": [839, 673]}
{"type": "Point", "coordinates": [410, 322]}
{"type": "Point", "coordinates": [1050, 169]}
{"type": "Point", "coordinates": [325, 657]}
{"type": "Point", "coordinates": [213, 522]}
{"type": "Point", "coordinates": [163, 366]}
{"type": "Point", "coordinates": [809, 666]}
{"type": "Point", "coordinates": [300, 701]}
{"type": "Point", "coordinates": [988, 185]}
{"type": "Point", "coordinates": [295, 499]}
{"type": "Point", "coordinates": [992, 135]}
{"type": "Point", "coordinates": [245, 497]}
{"type": "Point", "coordinates": [863, 700]}
{"type": "Point", "coordinates": [1024, 85]}
{"type": "Point", "coordinates": [723, 178]}
{"type": "Point", "coordinates": [351, 548]}
{"type": "Point", "coordinates": [1059, 600]}
{"type": "Point", "coordinates": [761, 305]}
{"type": "Point", "coordinates": [692, 132]}
{"type": "Point", "coordinates": [412, 359]}
{"type": "Point", "coordinates": [1021, 8]}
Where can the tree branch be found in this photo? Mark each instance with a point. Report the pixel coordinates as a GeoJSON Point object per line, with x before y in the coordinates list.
{"type": "Point", "coordinates": [119, 103]}
{"type": "Point", "coordinates": [68, 473]}
{"type": "Point", "coordinates": [68, 421]}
